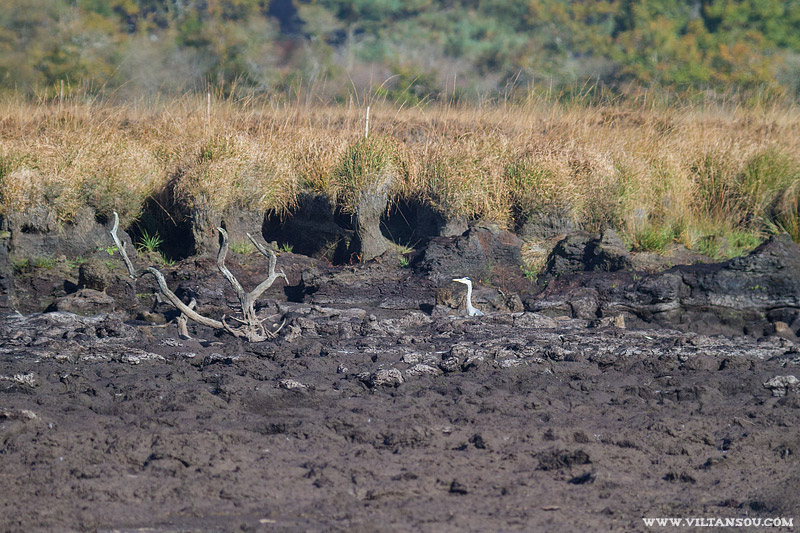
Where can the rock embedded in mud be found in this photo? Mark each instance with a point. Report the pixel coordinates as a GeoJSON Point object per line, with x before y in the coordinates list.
{"type": "Point", "coordinates": [782, 385]}
{"type": "Point", "coordinates": [421, 369]}
{"type": "Point", "coordinates": [86, 302]}
{"type": "Point", "coordinates": [135, 357]}
{"type": "Point", "coordinates": [783, 330]}
{"type": "Point", "coordinates": [291, 384]}
{"type": "Point", "coordinates": [557, 459]}
{"type": "Point", "coordinates": [472, 362]}
{"type": "Point", "coordinates": [746, 295]}
{"type": "Point", "coordinates": [584, 303]}
{"type": "Point", "coordinates": [113, 326]}
{"type": "Point", "coordinates": [608, 321]}
{"type": "Point", "coordinates": [582, 251]}
{"type": "Point", "coordinates": [94, 274]}
{"type": "Point", "coordinates": [391, 377]}
{"type": "Point", "coordinates": [534, 321]}
{"type": "Point", "coordinates": [556, 353]}
{"type": "Point", "coordinates": [24, 380]}
{"type": "Point", "coordinates": [479, 253]}
{"type": "Point", "coordinates": [17, 414]}
{"type": "Point", "coordinates": [456, 487]}
{"type": "Point", "coordinates": [514, 303]}
{"type": "Point", "coordinates": [450, 364]}
{"type": "Point", "coordinates": [37, 232]}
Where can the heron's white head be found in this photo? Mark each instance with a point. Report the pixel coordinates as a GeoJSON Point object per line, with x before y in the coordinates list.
{"type": "Point", "coordinates": [465, 280]}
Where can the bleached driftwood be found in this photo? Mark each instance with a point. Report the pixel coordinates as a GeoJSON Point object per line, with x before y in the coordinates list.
{"type": "Point", "coordinates": [249, 325]}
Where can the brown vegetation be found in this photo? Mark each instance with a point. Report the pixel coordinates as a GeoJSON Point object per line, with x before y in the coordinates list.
{"type": "Point", "coordinates": [713, 178]}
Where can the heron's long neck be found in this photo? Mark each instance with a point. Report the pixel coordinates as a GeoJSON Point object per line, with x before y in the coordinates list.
{"type": "Point", "coordinates": [470, 308]}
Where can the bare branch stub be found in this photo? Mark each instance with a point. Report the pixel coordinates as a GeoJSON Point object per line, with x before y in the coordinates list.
{"type": "Point", "coordinates": [121, 248]}
{"type": "Point", "coordinates": [183, 330]}
{"type": "Point", "coordinates": [250, 326]}
{"type": "Point", "coordinates": [271, 275]}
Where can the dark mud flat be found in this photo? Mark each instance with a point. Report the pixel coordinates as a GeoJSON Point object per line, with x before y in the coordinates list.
{"type": "Point", "coordinates": [377, 409]}
{"type": "Point", "coordinates": [364, 419]}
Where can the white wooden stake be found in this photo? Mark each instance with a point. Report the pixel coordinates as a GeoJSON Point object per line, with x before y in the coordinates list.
{"type": "Point", "coordinates": [208, 111]}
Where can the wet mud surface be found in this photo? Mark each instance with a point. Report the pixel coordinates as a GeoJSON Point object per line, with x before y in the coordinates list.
{"type": "Point", "coordinates": [367, 419]}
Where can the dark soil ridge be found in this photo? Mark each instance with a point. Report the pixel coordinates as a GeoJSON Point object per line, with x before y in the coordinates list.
{"type": "Point", "coordinates": [586, 276]}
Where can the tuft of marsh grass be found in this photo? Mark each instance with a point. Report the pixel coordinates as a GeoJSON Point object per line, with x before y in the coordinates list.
{"type": "Point", "coordinates": [26, 264]}
{"type": "Point", "coordinates": [236, 170]}
{"type": "Point", "coordinates": [465, 177]}
{"type": "Point", "coordinates": [21, 264]}
{"type": "Point", "coordinates": [62, 161]}
{"type": "Point", "coordinates": [534, 257]}
{"type": "Point", "coordinates": [370, 166]}
{"type": "Point", "coordinates": [653, 237]}
{"type": "Point", "coordinates": [726, 243]}
{"type": "Point", "coordinates": [243, 247]}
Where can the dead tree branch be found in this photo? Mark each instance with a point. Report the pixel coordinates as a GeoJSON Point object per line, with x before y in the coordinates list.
{"type": "Point", "coordinates": [250, 326]}
{"type": "Point", "coordinates": [179, 305]}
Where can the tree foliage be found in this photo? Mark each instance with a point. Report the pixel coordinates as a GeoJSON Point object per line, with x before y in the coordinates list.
{"type": "Point", "coordinates": [483, 44]}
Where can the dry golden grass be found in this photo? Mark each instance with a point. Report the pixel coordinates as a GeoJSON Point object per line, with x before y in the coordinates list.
{"type": "Point", "coordinates": [68, 159]}
{"type": "Point", "coordinates": [713, 178]}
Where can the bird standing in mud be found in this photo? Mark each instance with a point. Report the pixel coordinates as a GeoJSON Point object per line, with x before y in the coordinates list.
{"type": "Point", "coordinates": [471, 310]}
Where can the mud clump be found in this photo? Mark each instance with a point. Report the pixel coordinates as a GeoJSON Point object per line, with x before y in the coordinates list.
{"type": "Point", "coordinates": [38, 233]}
{"type": "Point", "coordinates": [480, 253]}
{"type": "Point", "coordinates": [95, 275]}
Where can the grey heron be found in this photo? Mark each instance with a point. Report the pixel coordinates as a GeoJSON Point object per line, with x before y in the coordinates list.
{"type": "Point", "coordinates": [471, 310]}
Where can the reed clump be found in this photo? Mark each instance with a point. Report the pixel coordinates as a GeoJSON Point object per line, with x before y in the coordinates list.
{"type": "Point", "coordinates": [371, 166]}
